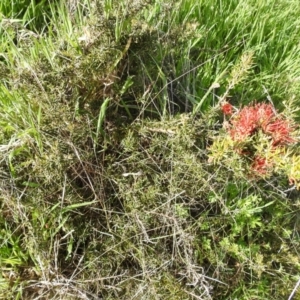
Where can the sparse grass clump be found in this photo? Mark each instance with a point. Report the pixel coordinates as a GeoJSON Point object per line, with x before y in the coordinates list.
{"type": "Point", "coordinates": [119, 176]}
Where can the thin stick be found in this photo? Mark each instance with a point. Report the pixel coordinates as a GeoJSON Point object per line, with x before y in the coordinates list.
{"type": "Point", "coordinates": [294, 290]}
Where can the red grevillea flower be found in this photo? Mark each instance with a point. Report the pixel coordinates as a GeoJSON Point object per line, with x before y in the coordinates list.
{"type": "Point", "coordinates": [260, 165]}
{"type": "Point", "coordinates": [280, 131]}
{"type": "Point", "coordinates": [244, 123]}
{"type": "Point", "coordinates": [227, 108]}
{"type": "Point", "coordinates": [264, 114]}
{"type": "Point", "coordinates": [260, 116]}
{"type": "Point", "coordinates": [270, 131]}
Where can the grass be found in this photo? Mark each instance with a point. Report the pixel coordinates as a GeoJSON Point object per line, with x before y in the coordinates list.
{"type": "Point", "coordinates": [108, 113]}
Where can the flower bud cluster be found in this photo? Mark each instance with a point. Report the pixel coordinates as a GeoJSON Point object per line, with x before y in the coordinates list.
{"type": "Point", "coordinates": [262, 138]}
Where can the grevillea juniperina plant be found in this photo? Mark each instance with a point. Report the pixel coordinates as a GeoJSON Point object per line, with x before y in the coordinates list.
{"type": "Point", "coordinates": [262, 138]}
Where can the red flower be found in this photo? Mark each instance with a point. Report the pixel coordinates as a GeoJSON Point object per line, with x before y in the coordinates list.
{"type": "Point", "coordinates": [260, 165]}
{"type": "Point", "coordinates": [280, 131]}
{"type": "Point", "coordinates": [264, 114]}
{"type": "Point", "coordinates": [227, 108]}
{"type": "Point", "coordinates": [263, 123]}
{"type": "Point", "coordinates": [260, 116]}
{"type": "Point", "coordinates": [244, 124]}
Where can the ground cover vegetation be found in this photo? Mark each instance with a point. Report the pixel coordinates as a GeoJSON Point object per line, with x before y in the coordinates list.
{"type": "Point", "coordinates": [149, 149]}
